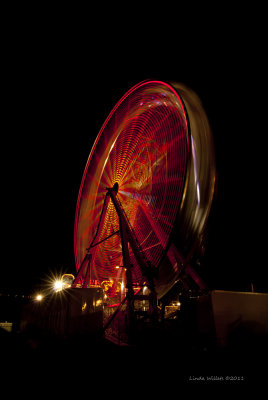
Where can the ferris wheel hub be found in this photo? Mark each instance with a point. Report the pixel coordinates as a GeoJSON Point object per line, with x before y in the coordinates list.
{"type": "Point", "coordinates": [115, 187]}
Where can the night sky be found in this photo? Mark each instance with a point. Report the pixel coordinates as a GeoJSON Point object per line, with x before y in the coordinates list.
{"type": "Point", "coordinates": [60, 82]}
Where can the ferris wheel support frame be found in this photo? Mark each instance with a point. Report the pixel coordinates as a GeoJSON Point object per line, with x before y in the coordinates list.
{"type": "Point", "coordinates": [128, 238]}
{"type": "Point", "coordinates": [126, 258]}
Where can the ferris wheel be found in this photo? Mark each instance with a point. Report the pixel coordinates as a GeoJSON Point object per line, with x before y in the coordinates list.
{"type": "Point", "coordinates": [146, 191]}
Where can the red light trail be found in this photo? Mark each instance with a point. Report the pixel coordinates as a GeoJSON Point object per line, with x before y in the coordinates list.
{"type": "Point", "coordinates": [144, 147]}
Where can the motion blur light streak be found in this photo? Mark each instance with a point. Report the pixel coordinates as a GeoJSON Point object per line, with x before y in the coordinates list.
{"type": "Point", "coordinates": [161, 161]}
{"type": "Point", "coordinates": [144, 147]}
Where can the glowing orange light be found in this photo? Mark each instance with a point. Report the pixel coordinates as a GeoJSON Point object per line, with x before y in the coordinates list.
{"type": "Point", "coordinates": [39, 297]}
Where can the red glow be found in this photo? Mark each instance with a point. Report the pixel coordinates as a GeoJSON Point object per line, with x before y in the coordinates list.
{"type": "Point", "coordinates": [144, 147]}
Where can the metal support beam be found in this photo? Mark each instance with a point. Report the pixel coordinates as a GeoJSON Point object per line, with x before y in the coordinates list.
{"type": "Point", "coordinates": [148, 271]}
{"type": "Point", "coordinates": [83, 272]}
{"type": "Point", "coordinates": [126, 260]}
{"type": "Point", "coordinates": [128, 238]}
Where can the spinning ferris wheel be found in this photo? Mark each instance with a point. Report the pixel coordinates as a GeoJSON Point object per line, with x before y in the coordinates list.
{"type": "Point", "coordinates": [146, 191]}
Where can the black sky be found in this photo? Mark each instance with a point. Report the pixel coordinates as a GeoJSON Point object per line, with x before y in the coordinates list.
{"type": "Point", "coordinates": [61, 80]}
